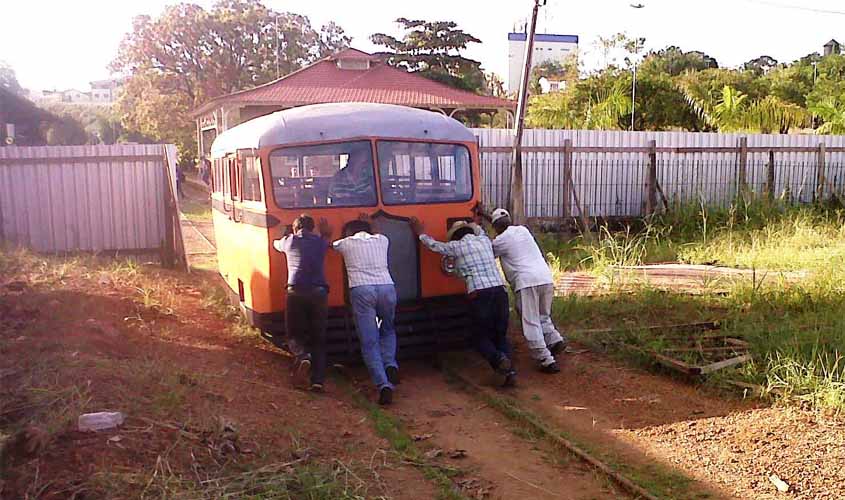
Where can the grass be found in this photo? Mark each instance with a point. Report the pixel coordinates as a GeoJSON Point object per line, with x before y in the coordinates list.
{"type": "Point", "coordinates": [795, 326]}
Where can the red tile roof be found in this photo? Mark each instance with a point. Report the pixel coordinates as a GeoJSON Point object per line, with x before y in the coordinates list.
{"type": "Point", "coordinates": [324, 82]}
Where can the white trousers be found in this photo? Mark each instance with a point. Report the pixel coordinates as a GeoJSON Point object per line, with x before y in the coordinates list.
{"type": "Point", "coordinates": [535, 307]}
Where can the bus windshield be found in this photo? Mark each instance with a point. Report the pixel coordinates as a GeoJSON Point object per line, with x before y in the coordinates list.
{"type": "Point", "coordinates": [423, 172]}
{"type": "Point", "coordinates": [324, 175]}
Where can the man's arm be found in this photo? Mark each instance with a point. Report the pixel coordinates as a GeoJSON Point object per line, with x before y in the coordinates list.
{"type": "Point", "coordinates": [281, 243]}
{"type": "Point", "coordinates": [325, 229]}
{"type": "Point", "coordinates": [438, 246]}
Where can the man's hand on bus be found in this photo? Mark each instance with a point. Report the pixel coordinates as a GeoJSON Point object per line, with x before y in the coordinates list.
{"type": "Point", "coordinates": [417, 226]}
{"type": "Point", "coordinates": [480, 214]}
{"type": "Point", "coordinates": [325, 229]}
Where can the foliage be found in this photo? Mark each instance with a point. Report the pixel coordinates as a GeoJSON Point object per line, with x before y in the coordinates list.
{"type": "Point", "coordinates": [8, 79]}
{"type": "Point", "coordinates": [831, 110]}
{"type": "Point", "coordinates": [760, 65]}
{"type": "Point", "coordinates": [433, 49]}
{"type": "Point", "coordinates": [188, 55]}
{"type": "Point", "coordinates": [789, 309]}
{"type": "Point", "coordinates": [581, 108]}
{"type": "Point", "coordinates": [673, 61]}
{"type": "Point", "coordinates": [101, 125]}
{"type": "Point", "coordinates": [553, 70]}
{"type": "Point", "coordinates": [732, 111]}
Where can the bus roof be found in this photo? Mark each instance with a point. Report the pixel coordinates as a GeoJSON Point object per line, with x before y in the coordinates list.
{"type": "Point", "coordinates": [338, 121]}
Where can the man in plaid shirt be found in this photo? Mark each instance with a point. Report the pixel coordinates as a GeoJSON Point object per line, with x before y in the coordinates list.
{"type": "Point", "coordinates": [476, 264]}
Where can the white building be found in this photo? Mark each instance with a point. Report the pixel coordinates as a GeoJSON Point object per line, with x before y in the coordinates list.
{"type": "Point", "coordinates": [546, 48]}
{"type": "Point", "coordinates": [102, 93]}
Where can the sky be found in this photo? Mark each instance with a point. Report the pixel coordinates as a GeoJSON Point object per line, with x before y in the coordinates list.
{"type": "Point", "coordinates": [60, 44]}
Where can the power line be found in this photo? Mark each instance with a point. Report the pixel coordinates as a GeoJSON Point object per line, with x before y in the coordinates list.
{"type": "Point", "coordinates": [797, 7]}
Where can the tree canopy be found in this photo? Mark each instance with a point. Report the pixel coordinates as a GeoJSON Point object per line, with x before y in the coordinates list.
{"type": "Point", "coordinates": [8, 79]}
{"type": "Point", "coordinates": [687, 90]}
{"type": "Point", "coordinates": [189, 54]}
{"type": "Point", "coordinates": [433, 49]}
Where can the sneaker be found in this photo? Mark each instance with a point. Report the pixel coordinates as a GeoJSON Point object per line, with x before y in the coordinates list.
{"type": "Point", "coordinates": [558, 347]}
{"type": "Point", "coordinates": [315, 387]}
{"type": "Point", "coordinates": [550, 368]}
{"type": "Point", "coordinates": [385, 396]}
{"type": "Point", "coordinates": [302, 372]}
{"type": "Point", "coordinates": [392, 374]}
{"type": "Point", "coordinates": [510, 379]}
{"type": "Point", "coordinates": [505, 366]}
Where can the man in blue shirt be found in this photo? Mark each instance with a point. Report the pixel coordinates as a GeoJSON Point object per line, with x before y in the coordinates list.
{"type": "Point", "coordinates": [307, 298]}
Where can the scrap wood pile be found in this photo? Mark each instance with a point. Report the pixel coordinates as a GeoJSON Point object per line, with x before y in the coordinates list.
{"type": "Point", "coordinates": [693, 349]}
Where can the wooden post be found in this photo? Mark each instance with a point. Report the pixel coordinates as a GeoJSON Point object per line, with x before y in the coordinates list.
{"type": "Point", "coordinates": [770, 176]}
{"type": "Point", "coordinates": [168, 256]}
{"type": "Point", "coordinates": [651, 180]}
{"type": "Point", "coordinates": [820, 175]}
{"type": "Point", "coordinates": [742, 173]}
{"type": "Point", "coordinates": [567, 179]}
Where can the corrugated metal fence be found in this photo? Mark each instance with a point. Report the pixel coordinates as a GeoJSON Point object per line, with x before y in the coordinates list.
{"type": "Point", "coordinates": [88, 198]}
{"type": "Point", "coordinates": [629, 174]}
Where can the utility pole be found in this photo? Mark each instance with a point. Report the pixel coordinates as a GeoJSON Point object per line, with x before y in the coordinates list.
{"type": "Point", "coordinates": [517, 193]}
{"type": "Point", "coordinates": [634, 85]}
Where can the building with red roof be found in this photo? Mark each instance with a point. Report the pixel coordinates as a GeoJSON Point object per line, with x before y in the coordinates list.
{"type": "Point", "coordinates": [350, 75]}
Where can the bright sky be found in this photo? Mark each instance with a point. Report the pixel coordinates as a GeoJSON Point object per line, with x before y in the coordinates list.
{"type": "Point", "coordinates": [65, 44]}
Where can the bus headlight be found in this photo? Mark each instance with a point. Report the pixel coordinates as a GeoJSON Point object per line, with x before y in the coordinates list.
{"type": "Point", "coordinates": [448, 265]}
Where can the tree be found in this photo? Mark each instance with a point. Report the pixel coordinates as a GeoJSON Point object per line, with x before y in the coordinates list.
{"type": "Point", "coordinates": [760, 65]}
{"type": "Point", "coordinates": [832, 113]}
{"type": "Point", "coordinates": [187, 55]}
{"type": "Point", "coordinates": [733, 111]}
{"type": "Point", "coordinates": [673, 61]}
{"type": "Point", "coordinates": [9, 80]}
{"type": "Point", "coordinates": [566, 71]}
{"type": "Point", "coordinates": [433, 50]}
{"type": "Point", "coordinates": [582, 107]}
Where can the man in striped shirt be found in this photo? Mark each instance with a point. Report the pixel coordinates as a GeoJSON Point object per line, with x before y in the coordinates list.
{"type": "Point", "coordinates": [373, 297]}
{"type": "Point", "coordinates": [476, 264]}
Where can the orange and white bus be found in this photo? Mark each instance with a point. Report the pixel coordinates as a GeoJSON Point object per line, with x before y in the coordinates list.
{"type": "Point", "coordinates": [337, 161]}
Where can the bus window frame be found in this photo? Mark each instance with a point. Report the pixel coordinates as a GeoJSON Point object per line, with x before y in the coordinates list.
{"type": "Point", "coordinates": [376, 180]}
{"type": "Point", "coordinates": [472, 185]}
{"type": "Point", "coordinates": [245, 156]}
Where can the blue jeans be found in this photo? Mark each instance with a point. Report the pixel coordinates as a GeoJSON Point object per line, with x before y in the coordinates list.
{"type": "Point", "coordinates": [378, 343]}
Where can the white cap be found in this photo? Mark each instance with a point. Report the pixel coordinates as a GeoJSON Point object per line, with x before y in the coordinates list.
{"type": "Point", "coordinates": [498, 214]}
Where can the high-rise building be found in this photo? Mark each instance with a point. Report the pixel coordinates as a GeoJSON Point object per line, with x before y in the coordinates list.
{"type": "Point", "coordinates": [547, 47]}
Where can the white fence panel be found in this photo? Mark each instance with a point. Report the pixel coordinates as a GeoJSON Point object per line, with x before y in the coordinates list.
{"type": "Point", "coordinates": [612, 183]}
{"type": "Point", "coordinates": [85, 198]}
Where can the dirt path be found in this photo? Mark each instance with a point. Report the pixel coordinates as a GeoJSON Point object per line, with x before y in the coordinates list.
{"type": "Point", "coordinates": [500, 458]}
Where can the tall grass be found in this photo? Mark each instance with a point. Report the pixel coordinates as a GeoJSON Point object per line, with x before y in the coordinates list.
{"type": "Point", "coordinates": [796, 327]}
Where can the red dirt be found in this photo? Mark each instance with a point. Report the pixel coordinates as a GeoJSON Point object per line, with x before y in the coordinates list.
{"type": "Point", "coordinates": [175, 376]}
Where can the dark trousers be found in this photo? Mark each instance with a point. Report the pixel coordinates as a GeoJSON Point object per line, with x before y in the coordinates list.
{"type": "Point", "coordinates": [305, 320]}
{"type": "Point", "coordinates": [490, 314]}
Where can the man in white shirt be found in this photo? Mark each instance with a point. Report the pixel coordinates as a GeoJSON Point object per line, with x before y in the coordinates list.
{"type": "Point", "coordinates": [373, 297]}
{"type": "Point", "coordinates": [531, 281]}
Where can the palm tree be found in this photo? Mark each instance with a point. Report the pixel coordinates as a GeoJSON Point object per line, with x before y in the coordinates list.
{"type": "Point", "coordinates": [832, 112]}
{"type": "Point", "coordinates": [603, 111]}
{"type": "Point", "coordinates": [607, 108]}
{"type": "Point", "coordinates": [732, 111]}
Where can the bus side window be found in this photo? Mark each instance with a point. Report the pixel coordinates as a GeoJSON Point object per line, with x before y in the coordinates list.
{"type": "Point", "coordinates": [234, 177]}
{"type": "Point", "coordinates": [226, 177]}
{"type": "Point", "coordinates": [251, 181]}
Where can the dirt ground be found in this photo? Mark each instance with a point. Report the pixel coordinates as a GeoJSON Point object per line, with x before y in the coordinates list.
{"type": "Point", "coordinates": [206, 400]}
